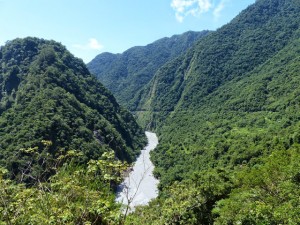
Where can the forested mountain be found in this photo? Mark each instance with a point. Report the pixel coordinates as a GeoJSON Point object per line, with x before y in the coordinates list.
{"type": "Point", "coordinates": [227, 114]}
{"type": "Point", "coordinates": [49, 95]}
{"type": "Point", "coordinates": [64, 140]}
{"type": "Point", "coordinates": [254, 36]}
{"type": "Point", "coordinates": [125, 74]}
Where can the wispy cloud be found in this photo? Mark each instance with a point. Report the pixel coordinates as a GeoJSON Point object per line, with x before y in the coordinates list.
{"type": "Point", "coordinates": [181, 7]}
{"type": "Point", "coordinates": [184, 8]}
{"type": "Point", "coordinates": [2, 43]}
{"type": "Point", "coordinates": [92, 44]}
{"type": "Point", "coordinates": [190, 7]}
{"type": "Point", "coordinates": [218, 9]}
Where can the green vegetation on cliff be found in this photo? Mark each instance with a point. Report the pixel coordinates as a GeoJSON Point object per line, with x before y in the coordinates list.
{"type": "Point", "coordinates": [47, 94]}
{"type": "Point", "coordinates": [64, 140]}
{"type": "Point", "coordinates": [125, 74]}
{"type": "Point", "coordinates": [227, 114]}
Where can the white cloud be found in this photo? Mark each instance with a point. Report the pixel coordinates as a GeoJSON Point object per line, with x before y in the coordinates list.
{"type": "Point", "coordinates": [92, 44]}
{"type": "Point", "coordinates": [218, 9]}
{"type": "Point", "coordinates": [184, 8]}
{"type": "Point", "coordinates": [181, 5]}
{"type": "Point", "coordinates": [179, 17]}
{"type": "Point", "coordinates": [204, 5]}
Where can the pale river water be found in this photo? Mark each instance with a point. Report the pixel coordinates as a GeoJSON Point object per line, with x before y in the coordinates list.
{"type": "Point", "coordinates": [140, 186]}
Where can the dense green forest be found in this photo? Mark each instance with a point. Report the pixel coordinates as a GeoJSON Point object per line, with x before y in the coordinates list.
{"type": "Point", "coordinates": [226, 108]}
{"type": "Point", "coordinates": [125, 74]}
{"type": "Point", "coordinates": [227, 115]}
{"type": "Point", "coordinates": [230, 131]}
{"type": "Point", "coordinates": [62, 135]}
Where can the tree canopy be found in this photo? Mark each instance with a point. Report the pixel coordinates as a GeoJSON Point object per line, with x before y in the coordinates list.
{"type": "Point", "coordinates": [48, 94]}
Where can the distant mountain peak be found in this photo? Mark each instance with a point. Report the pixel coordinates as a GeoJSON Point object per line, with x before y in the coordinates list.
{"type": "Point", "coordinates": [125, 74]}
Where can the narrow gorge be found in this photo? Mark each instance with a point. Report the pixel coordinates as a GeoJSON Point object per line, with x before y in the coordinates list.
{"type": "Point", "coordinates": [140, 186]}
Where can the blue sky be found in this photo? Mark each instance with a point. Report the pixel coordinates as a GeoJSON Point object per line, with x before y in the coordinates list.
{"type": "Point", "coordinates": [89, 27]}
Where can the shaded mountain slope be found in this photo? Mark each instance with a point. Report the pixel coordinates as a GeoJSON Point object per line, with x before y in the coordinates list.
{"type": "Point", "coordinates": [228, 119]}
{"type": "Point", "coordinates": [216, 105]}
{"type": "Point", "coordinates": [125, 74]}
{"type": "Point", "coordinates": [234, 50]}
{"type": "Point", "coordinates": [47, 94]}
{"type": "Point", "coordinates": [240, 121]}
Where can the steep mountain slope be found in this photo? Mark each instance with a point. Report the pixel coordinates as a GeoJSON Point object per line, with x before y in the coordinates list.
{"type": "Point", "coordinates": [234, 50]}
{"type": "Point", "coordinates": [198, 106]}
{"type": "Point", "coordinates": [49, 95]}
{"type": "Point", "coordinates": [227, 114]}
{"type": "Point", "coordinates": [243, 119]}
{"type": "Point", "coordinates": [125, 74]}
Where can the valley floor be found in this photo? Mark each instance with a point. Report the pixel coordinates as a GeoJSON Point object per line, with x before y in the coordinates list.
{"type": "Point", "coordinates": [140, 186]}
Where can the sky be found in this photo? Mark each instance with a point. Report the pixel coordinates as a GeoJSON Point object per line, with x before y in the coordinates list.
{"type": "Point", "coordinates": [90, 27]}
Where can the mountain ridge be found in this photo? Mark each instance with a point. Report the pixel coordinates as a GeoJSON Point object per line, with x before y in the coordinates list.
{"type": "Point", "coordinates": [211, 60]}
{"type": "Point", "coordinates": [48, 94]}
{"type": "Point", "coordinates": [124, 74]}
{"type": "Point", "coordinates": [227, 115]}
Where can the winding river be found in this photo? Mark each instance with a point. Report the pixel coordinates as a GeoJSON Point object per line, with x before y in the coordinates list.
{"type": "Point", "coordinates": [140, 186]}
